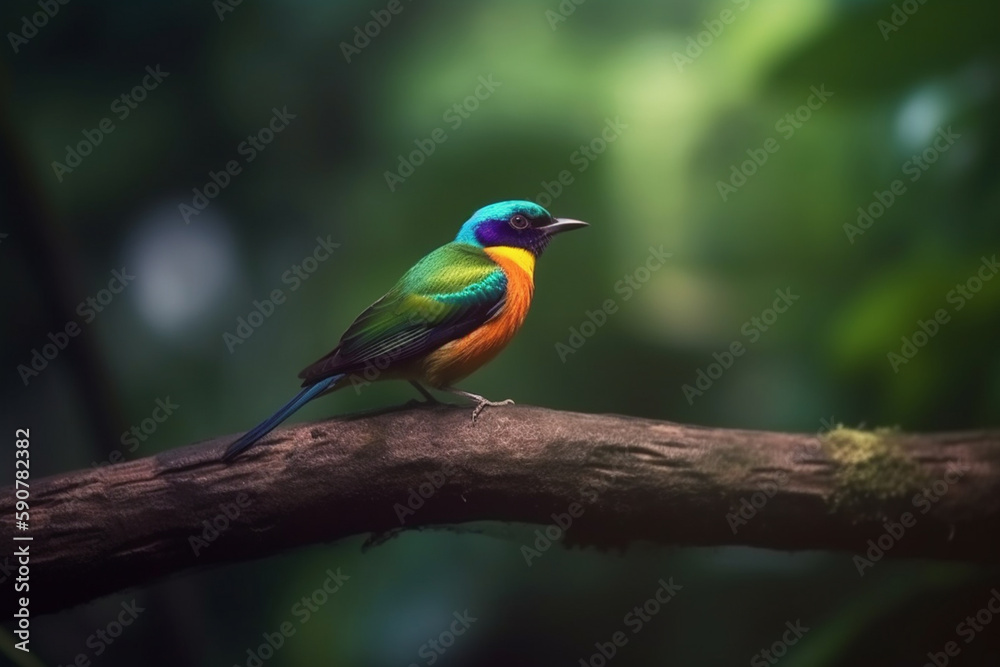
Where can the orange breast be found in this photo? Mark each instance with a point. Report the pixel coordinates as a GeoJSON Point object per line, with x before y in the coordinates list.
{"type": "Point", "coordinates": [461, 357]}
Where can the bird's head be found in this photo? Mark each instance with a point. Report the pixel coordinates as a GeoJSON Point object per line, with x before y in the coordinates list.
{"type": "Point", "coordinates": [517, 224]}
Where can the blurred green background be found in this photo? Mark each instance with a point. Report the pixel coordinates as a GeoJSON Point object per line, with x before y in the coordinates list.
{"type": "Point", "coordinates": [558, 77]}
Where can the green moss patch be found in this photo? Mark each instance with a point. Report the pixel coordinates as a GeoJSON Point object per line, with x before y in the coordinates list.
{"type": "Point", "coordinates": [871, 471]}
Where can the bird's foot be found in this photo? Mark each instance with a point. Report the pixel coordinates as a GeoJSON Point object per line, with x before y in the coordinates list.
{"type": "Point", "coordinates": [483, 404]}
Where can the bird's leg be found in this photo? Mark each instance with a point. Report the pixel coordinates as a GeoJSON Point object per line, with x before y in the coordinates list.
{"type": "Point", "coordinates": [419, 387]}
{"type": "Point", "coordinates": [481, 402]}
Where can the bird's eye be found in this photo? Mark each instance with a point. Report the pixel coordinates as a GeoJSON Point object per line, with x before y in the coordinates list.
{"type": "Point", "coordinates": [519, 222]}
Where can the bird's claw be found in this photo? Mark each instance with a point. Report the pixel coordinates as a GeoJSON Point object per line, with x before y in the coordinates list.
{"type": "Point", "coordinates": [482, 405]}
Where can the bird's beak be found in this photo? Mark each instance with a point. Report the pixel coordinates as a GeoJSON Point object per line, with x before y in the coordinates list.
{"type": "Point", "coordinates": [560, 225]}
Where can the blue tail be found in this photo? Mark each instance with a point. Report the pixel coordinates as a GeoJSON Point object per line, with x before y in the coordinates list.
{"type": "Point", "coordinates": [269, 424]}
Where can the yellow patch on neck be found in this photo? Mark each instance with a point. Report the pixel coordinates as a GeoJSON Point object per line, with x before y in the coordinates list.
{"type": "Point", "coordinates": [522, 258]}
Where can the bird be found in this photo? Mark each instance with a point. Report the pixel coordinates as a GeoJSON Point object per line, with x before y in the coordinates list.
{"type": "Point", "coordinates": [450, 314]}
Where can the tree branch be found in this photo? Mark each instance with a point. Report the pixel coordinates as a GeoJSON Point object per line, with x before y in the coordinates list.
{"type": "Point", "coordinates": [618, 479]}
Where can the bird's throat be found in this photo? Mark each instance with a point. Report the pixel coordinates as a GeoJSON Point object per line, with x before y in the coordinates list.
{"type": "Point", "coordinates": [523, 259]}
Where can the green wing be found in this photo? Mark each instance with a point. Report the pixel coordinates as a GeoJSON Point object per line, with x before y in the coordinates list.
{"type": "Point", "coordinates": [446, 295]}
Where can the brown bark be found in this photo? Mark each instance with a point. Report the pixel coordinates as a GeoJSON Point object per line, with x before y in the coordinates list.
{"type": "Point", "coordinates": [97, 531]}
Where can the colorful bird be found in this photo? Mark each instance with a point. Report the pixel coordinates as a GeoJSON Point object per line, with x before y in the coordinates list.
{"type": "Point", "coordinates": [454, 311]}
